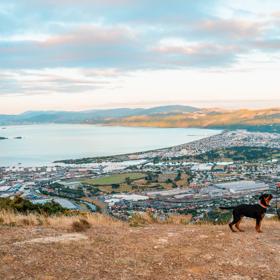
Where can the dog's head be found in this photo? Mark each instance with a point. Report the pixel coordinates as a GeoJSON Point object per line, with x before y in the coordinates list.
{"type": "Point", "coordinates": [265, 199]}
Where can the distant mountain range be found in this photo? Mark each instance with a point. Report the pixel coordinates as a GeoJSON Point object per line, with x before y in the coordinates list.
{"type": "Point", "coordinates": [90, 116]}
{"type": "Point", "coordinates": [258, 120]}
{"type": "Point", "coordinates": [163, 116]}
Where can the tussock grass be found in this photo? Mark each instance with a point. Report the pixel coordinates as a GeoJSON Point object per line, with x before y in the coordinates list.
{"type": "Point", "coordinates": [179, 219]}
{"type": "Point", "coordinates": [81, 225]}
{"type": "Point", "coordinates": [86, 220]}
{"type": "Point", "coordinates": [141, 219]}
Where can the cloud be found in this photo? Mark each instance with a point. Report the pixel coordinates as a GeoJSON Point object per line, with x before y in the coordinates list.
{"type": "Point", "coordinates": [177, 52]}
{"type": "Point", "coordinates": [91, 35]}
{"type": "Point", "coordinates": [34, 82]}
{"type": "Point", "coordinates": [276, 14]}
{"type": "Point", "coordinates": [90, 46]}
{"type": "Point", "coordinates": [232, 29]}
{"type": "Point", "coordinates": [122, 47]}
{"type": "Point", "coordinates": [267, 45]}
{"type": "Point", "coordinates": [110, 38]}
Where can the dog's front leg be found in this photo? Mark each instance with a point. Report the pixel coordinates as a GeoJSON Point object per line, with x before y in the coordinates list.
{"type": "Point", "coordinates": [258, 225]}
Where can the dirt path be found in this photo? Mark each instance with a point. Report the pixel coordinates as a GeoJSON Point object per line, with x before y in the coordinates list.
{"type": "Point", "coordinates": [151, 252]}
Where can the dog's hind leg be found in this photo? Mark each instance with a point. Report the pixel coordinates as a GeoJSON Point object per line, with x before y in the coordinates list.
{"type": "Point", "coordinates": [236, 219]}
{"type": "Point", "coordinates": [231, 228]}
{"type": "Point", "coordinates": [237, 225]}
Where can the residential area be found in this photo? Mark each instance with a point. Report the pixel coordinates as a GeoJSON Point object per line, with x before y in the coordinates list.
{"type": "Point", "coordinates": [195, 178]}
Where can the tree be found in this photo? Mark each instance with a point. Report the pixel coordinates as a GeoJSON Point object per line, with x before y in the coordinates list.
{"type": "Point", "coordinates": [178, 177]}
{"type": "Point", "coordinates": [115, 186]}
{"type": "Point", "coordinates": [128, 180]}
{"type": "Point", "coordinates": [168, 181]}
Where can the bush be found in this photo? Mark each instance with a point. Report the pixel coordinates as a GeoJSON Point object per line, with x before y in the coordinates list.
{"type": "Point", "coordinates": [137, 220]}
{"type": "Point", "coordinates": [81, 225]}
{"type": "Point", "coordinates": [217, 217]}
{"type": "Point", "coordinates": [26, 222]}
{"type": "Point", "coordinates": [22, 205]}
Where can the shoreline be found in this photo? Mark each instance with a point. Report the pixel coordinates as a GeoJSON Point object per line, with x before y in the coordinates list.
{"type": "Point", "coordinates": [63, 162]}
{"type": "Point", "coordinates": [141, 153]}
{"type": "Point", "coordinates": [135, 153]}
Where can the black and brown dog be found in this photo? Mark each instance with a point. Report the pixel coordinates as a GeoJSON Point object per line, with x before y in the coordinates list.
{"type": "Point", "coordinates": [255, 211]}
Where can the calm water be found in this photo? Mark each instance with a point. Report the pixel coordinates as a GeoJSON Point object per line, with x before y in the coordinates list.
{"type": "Point", "coordinates": [43, 144]}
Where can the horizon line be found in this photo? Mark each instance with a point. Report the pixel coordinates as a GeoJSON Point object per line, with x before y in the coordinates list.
{"type": "Point", "coordinates": [200, 104]}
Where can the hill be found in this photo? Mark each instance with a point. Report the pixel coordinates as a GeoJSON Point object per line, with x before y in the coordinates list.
{"type": "Point", "coordinates": [264, 120]}
{"type": "Point", "coordinates": [113, 250]}
{"type": "Point", "coordinates": [254, 119]}
{"type": "Point", "coordinates": [91, 116]}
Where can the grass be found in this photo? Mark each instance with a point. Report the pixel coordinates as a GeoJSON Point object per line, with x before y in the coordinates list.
{"type": "Point", "coordinates": [114, 179]}
{"type": "Point", "coordinates": [122, 188]}
{"type": "Point", "coordinates": [81, 225]}
{"type": "Point", "coordinates": [156, 251]}
{"type": "Point", "coordinates": [75, 222]}
{"type": "Point", "coordinates": [81, 221]}
{"type": "Point", "coordinates": [146, 218]}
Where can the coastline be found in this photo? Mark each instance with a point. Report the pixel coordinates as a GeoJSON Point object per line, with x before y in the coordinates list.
{"type": "Point", "coordinates": [115, 156]}
{"type": "Point", "coordinates": [133, 154]}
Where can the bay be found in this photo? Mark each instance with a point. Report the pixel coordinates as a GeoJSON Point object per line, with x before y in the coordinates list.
{"type": "Point", "coordinates": [42, 144]}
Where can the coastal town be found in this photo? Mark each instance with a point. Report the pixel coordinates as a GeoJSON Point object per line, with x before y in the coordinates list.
{"type": "Point", "coordinates": [194, 178]}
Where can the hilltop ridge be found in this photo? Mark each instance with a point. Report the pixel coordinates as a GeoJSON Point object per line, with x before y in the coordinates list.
{"type": "Point", "coordinates": [163, 116]}
{"type": "Point", "coordinates": [114, 250]}
{"type": "Point", "coordinates": [95, 115]}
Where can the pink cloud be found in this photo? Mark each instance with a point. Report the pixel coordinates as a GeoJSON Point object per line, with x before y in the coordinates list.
{"type": "Point", "coordinates": [92, 35]}
{"type": "Point", "coordinates": [276, 14]}
{"type": "Point", "coordinates": [195, 49]}
{"type": "Point", "coordinates": [232, 28]}
{"type": "Point", "coordinates": [80, 2]}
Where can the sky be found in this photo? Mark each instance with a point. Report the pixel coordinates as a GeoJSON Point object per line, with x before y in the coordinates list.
{"type": "Point", "coordinates": [85, 54]}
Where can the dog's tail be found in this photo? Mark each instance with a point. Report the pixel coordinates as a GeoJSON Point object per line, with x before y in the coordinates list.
{"type": "Point", "coordinates": [226, 208]}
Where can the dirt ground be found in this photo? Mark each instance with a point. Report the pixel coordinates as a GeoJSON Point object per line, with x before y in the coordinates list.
{"type": "Point", "coordinates": [150, 252]}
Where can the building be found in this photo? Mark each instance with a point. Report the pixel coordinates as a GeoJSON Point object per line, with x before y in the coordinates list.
{"type": "Point", "coordinates": [242, 187]}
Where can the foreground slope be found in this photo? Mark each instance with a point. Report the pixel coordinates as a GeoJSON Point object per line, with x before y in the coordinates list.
{"type": "Point", "coordinates": [117, 251]}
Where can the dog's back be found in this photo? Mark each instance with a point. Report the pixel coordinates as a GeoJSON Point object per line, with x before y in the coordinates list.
{"type": "Point", "coordinates": [249, 210]}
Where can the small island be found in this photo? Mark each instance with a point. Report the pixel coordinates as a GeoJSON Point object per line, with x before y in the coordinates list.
{"type": "Point", "coordinates": [18, 137]}
{"type": "Point", "coordinates": [3, 138]}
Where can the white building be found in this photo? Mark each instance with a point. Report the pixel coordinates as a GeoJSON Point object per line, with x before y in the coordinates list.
{"type": "Point", "coordinates": [243, 186]}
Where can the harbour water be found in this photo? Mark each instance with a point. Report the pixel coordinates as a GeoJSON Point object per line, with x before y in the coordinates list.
{"type": "Point", "coordinates": [37, 145]}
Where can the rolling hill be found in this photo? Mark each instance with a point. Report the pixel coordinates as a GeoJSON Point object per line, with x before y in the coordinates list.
{"type": "Point", "coordinates": [265, 119]}
{"type": "Point", "coordinates": [162, 116]}
{"type": "Point", "coordinates": [90, 116]}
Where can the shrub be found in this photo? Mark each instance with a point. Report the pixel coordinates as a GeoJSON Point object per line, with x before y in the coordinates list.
{"type": "Point", "coordinates": [26, 222]}
{"type": "Point", "coordinates": [81, 225]}
{"type": "Point", "coordinates": [137, 220]}
{"type": "Point", "coordinates": [22, 205]}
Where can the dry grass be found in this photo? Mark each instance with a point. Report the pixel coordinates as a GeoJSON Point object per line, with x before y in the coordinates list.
{"type": "Point", "coordinates": [146, 218]}
{"type": "Point", "coordinates": [152, 252]}
{"type": "Point", "coordinates": [10, 218]}
{"type": "Point", "coordinates": [179, 219]}
{"type": "Point", "coordinates": [81, 225]}
{"type": "Point", "coordinates": [83, 220]}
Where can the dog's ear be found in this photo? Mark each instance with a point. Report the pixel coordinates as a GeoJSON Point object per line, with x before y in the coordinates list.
{"type": "Point", "coordinates": [261, 197]}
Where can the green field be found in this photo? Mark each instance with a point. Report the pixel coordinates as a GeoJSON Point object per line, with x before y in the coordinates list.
{"type": "Point", "coordinates": [114, 179]}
